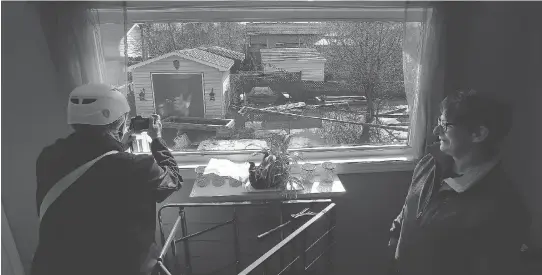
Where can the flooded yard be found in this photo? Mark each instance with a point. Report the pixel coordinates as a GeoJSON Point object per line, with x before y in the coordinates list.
{"type": "Point", "coordinates": [308, 132]}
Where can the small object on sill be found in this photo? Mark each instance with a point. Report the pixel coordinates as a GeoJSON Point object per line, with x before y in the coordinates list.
{"type": "Point", "coordinates": [307, 172]}
{"type": "Point", "coordinates": [199, 170]}
{"type": "Point", "coordinates": [217, 180]}
{"type": "Point", "coordinates": [324, 187]}
{"type": "Point", "coordinates": [235, 183]}
{"type": "Point", "coordinates": [264, 175]}
{"type": "Point", "coordinates": [328, 172]}
{"type": "Point", "coordinates": [201, 180]}
{"type": "Point", "coordinates": [319, 186]}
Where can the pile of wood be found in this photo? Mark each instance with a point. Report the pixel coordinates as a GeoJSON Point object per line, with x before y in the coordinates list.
{"type": "Point", "coordinates": [286, 106]}
{"type": "Point", "coordinates": [196, 123]}
{"type": "Point", "coordinates": [341, 100]}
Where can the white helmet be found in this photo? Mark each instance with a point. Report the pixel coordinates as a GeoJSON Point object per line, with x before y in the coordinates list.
{"type": "Point", "coordinates": [96, 104]}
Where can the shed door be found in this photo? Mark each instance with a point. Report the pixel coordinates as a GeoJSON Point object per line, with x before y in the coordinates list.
{"type": "Point", "coordinates": [179, 95]}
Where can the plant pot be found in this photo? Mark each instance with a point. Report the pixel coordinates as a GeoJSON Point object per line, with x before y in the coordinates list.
{"type": "Point", "coordinates": [271, 175]}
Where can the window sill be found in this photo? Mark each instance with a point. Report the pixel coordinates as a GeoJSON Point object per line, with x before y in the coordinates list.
{"type": "Point", "coordinates": [347, 162]}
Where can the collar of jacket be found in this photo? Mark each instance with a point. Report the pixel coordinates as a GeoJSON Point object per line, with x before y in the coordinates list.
{"type": "Point", "coordinates": [100, 141]}
{"type": "Point", "coordinates": [460, 183]}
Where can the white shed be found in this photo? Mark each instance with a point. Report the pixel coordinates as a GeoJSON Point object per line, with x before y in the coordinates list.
{"type": "Point", "coordinates": [186, 83]}
{"type": "Point", "coordinates": [305, 60]}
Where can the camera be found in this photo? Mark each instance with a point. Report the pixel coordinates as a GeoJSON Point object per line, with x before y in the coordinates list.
{"type": "Point", "coordinates": [139, 123]}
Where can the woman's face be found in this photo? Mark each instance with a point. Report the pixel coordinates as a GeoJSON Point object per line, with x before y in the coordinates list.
{"type": "Point", "coordinates": [455, 139]}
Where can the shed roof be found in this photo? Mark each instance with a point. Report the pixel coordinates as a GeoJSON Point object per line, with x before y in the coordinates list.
{"type": "Point", "coordinates": [292, 54]}
{"type": "Point", "coordinates": [197, 55]}
{"type": "Point", "coordinates": [224, 52]}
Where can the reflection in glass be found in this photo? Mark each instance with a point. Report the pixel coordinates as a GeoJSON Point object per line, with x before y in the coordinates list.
{"type": "Point", "coordinates": [310, 70]}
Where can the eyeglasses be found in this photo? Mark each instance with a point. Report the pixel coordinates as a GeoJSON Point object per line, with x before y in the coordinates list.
{"type": "Point", "coordinates": [444, 125]}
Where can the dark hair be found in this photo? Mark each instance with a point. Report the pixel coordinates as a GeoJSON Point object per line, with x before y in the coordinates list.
{"type": "Point", "coordinates": [471, 109]}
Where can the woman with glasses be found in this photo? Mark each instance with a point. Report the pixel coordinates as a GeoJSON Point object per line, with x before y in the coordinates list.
{"type": "Point", "coordinates": [461, 215]}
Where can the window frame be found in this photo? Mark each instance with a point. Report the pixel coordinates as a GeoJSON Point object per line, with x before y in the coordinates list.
{"type": "Point", "coordinates": [279, 10]}
{"type": "Point", "coordinates": [349, 159]}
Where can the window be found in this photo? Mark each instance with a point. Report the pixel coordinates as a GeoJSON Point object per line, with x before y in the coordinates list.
{"type": "Point", "coordinates": [347, 92]}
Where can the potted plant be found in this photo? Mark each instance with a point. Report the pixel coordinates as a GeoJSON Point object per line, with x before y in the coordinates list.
{"type": "Point", "coordinates": [275, 170]}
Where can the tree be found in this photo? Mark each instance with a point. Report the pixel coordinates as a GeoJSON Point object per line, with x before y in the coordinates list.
{"type": "Point", "coordinates": [369, 56]}
{"type": "Point", "coordinates": [161, 38]}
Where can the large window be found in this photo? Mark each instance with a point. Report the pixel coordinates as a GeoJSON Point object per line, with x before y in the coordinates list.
{"type": "Point", "coordinates": [226, 79]}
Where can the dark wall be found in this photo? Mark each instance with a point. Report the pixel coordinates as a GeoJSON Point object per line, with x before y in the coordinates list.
{"type": "Point", "coordinates": [364, 218]}
{"type": "Point", "coordinates": [33, 116]}
{"type": "Point", "coordinates": [495, 48]}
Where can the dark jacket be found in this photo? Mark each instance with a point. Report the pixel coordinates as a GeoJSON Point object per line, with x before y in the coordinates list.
{"type": "Point", "coordinates": [478, 231]}
{"type": "Point", "coordinates": [105, 222]}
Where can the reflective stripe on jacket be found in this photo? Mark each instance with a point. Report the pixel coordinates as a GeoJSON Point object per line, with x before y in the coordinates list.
{"type": "Point", "coordinates": [105, 222]}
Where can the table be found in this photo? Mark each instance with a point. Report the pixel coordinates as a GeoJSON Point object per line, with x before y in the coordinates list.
{"type": "Point", "coordinates": [313, 192]}
{"type": "Point", "coordinates": [314, 189]}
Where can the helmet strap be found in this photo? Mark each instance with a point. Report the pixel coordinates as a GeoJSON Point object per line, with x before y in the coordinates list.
{"type": "Point", "coordinates": [123, 129]}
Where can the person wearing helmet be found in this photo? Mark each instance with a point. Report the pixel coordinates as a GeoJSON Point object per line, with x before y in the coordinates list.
{"type": "Point", "coordinates": [96, 201]}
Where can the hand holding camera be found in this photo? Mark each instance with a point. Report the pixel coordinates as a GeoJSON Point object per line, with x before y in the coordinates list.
{"type": "Point", "coordinates": [155, 127]}
{"type": "Point", "coordinates": [128, 137]}
{"type": "Point", "coordinates": [152, 125]}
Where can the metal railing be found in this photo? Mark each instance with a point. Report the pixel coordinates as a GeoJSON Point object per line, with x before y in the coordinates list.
{"type": "Point", "coordinates": [300, 233]}
{"type": "Point", "coordinates": [297, 240]}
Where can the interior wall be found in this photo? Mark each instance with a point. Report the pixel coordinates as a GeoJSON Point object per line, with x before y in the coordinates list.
{"type": "Point", "coordinates": [33, 116]}
{"type": "Point", "coordinates": [11, 261]}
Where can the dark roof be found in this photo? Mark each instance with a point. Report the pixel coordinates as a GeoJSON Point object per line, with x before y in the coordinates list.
{"type": "Point", "coordinates": [224, 52]}
{"type": "Point", "coordinates": [209, 57]}
{"type": "Point", "coordinates": [196, 55]}
{"type": "Point", "coordinates": [283, 28]}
